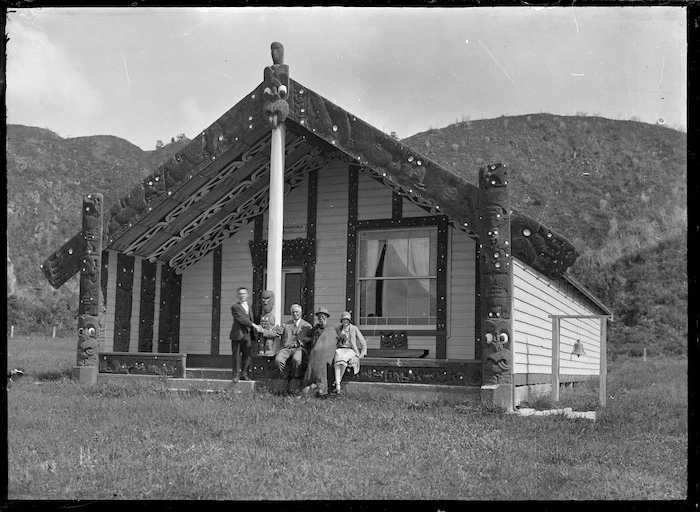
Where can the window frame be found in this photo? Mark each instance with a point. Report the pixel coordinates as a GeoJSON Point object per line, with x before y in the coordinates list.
{"type": "Point", "coordinates": [433, 234]}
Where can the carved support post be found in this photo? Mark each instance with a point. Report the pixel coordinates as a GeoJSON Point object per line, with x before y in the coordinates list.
{"type": "Point", "coordinates": [276, 108]}
{"type": "Point", "coordinates": [90, 306]}
{"type": "Point", "coordinates": [496, 271]}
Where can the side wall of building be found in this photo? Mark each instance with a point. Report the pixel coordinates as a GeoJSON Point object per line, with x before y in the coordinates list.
{"type": "Point", "coordinates": [536, 297]}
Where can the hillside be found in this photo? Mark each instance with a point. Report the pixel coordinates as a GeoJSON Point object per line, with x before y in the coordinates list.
{"type": "Point", "coordinates": [616, 189]}
{"type": "Point", "coordinates": [47, 176]}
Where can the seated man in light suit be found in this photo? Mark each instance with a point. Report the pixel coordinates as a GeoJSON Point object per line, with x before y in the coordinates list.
{"type": "Point", "coordinates": [295, 341]}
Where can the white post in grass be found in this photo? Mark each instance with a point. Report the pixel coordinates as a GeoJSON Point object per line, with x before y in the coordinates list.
{"type": "Point", "coordinates": [12, 331]}
{"type": "Point", "coordinates": [53, 333]}
{"type": "Point", "coordinates": [644, 355]}
{"type": "Point", "coordinates": [555, 359]}
{"type": "Point", "coordinates": [603, 361]}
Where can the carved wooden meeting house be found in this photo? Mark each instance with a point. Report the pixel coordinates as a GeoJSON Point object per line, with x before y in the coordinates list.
{"type": "Point", "coordinates": [449, 282]}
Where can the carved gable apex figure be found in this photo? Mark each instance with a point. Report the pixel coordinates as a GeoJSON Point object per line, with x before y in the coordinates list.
{"type": "Point", "coordinates": [276, 92]}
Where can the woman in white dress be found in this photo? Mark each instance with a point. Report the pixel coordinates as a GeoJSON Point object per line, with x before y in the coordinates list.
{"type": "Point", "coordinates": [350, 348]}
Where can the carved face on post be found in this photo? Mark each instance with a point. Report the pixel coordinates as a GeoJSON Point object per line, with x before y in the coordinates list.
{"type": "Point", "coordinates": [268, 301]}
{"type": "Point", "coordinates": [88, 332]}
{"type": "Point", "coordinates": [498, 357]}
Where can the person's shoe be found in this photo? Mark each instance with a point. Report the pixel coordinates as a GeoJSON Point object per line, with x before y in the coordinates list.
{"type": "Point", "coordinates": [245, 377]}
{"type": "Point", "coordinates": [235, 379]}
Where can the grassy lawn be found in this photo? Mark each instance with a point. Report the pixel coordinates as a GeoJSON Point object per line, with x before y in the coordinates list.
{"type": "Point", "coordinates": [139, 441]}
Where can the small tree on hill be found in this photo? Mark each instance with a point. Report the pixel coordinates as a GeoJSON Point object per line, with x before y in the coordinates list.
{"type": "Point", "coordinates": [159, 144]}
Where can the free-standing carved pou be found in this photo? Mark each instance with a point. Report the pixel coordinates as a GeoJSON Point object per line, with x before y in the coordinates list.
{"type": "Point", "coordinates": [90, 307]}
{"type": "Point", "coordinates": [496, 275]}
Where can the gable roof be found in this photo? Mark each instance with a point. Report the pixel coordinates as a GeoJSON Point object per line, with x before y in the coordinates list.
{"type": "Point", "coordinates": [218, 183]}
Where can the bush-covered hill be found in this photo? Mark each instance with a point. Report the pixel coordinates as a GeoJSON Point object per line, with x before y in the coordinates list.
{"type": "Point", "coordinates": [47, 176]}
{"type": "Point", "coordinates": [616, 189]}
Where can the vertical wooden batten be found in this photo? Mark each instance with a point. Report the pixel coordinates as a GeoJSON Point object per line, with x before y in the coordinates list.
{"type": "Point", "coordinates": [350, 283]}
{"type": "Point", "coordinates": [396, 206]}
{"type": "Point", "coordinates": [169, 311]}
{"type": "Point", "coordinates": [123, 302]}
{"type": "Point", "coordinates": [147, 306]}
{"type": "Point", "coordinates": [216, 301]}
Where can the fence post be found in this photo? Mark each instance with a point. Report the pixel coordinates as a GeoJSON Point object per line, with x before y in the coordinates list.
{"type": "Point", "coordinates": [12, 331]}
{"type": "Point", "coordinates": [53, 333]}
{"type": "Point", "coordinates": [645, 354]}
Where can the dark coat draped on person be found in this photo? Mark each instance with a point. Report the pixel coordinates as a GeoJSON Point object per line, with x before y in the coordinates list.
{"type": "Point", "coordinates": [320, 366]}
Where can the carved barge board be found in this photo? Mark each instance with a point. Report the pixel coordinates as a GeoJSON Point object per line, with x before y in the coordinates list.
{"type": "Point", "coordinates": [420, 178]}
{"type": "Point", "coordinates": [64, 263]}
{"type": "Point", "coordinates": [147, 306]}
{"type": "Point", "coordinates": [122, 305]}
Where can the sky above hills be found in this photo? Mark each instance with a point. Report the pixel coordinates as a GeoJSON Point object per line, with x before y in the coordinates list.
{"type": "Point", "coordinates": [149, 74]}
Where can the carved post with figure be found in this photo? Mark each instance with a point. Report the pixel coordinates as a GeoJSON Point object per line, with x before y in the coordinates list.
{"type": "Point", "coordinates": [276, 109]}
{"type": "Point", "coordinates": [496, 286]}
{"type": "Point", "coordinates": [90, 307]}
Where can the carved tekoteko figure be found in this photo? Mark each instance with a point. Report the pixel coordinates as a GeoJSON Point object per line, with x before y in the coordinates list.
{"type": "Point", "coordinates": [276, 92]}
{"type": "Point", "coordinates": [496, 274]}
{"type": "Point", "coordinates": [90, 307]}
{"type": "Point", "coordinates": [271, 331]}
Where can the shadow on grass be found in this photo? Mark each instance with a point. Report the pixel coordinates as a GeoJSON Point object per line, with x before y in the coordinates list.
{"type": "Point", "coordinates": [54, 375]}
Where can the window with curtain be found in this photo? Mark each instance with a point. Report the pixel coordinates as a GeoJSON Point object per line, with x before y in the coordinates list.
{"type": "Point", "coordinates": [398, 277]}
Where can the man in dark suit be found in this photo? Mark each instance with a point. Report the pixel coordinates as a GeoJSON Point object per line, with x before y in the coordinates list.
{"type": "Point", "coordinates": [241, 336]}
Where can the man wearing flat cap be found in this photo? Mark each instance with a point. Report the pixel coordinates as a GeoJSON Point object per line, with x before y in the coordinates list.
{"type": "Point", "coordinates": [323, 343]}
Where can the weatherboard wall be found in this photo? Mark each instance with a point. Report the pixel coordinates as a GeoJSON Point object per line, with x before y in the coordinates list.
{"type": "Point", "coordinates": [331, 238]}
{"type": "Point", "coordinates": [196, 306]}
{"type": "Point", "coordinates": [534, 298]}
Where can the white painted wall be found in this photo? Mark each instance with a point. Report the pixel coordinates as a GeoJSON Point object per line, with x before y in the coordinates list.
{"type": "Point", "coordinates": [461, 296]}
{"type": "Point", "coordinates": [535, 297]}
{"type": "Point", "coordinates": [373, 199]}
{"type": "Point", "coordinates": [196, 307]}
{"type": "Point", "coordinates": [295, 213]}
{"type": "Point", "coordinates": [331, 238]}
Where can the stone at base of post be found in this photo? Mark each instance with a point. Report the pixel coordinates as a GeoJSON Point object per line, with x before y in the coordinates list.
{"type": "Point", "coordinates": [85, 374]}
{"type": "Point", "coordinates": [498, 394]}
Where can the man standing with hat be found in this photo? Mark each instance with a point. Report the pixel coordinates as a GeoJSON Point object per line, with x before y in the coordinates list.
{"type": "Point", "coordinates": [323, 343]}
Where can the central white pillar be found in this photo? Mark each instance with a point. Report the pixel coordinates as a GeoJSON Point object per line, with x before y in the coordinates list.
{"type": "Point", "coordinates": [275, 219]}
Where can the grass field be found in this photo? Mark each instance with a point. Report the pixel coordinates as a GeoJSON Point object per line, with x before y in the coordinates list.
{"type": "Point", "coordinates": [139, 441]}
